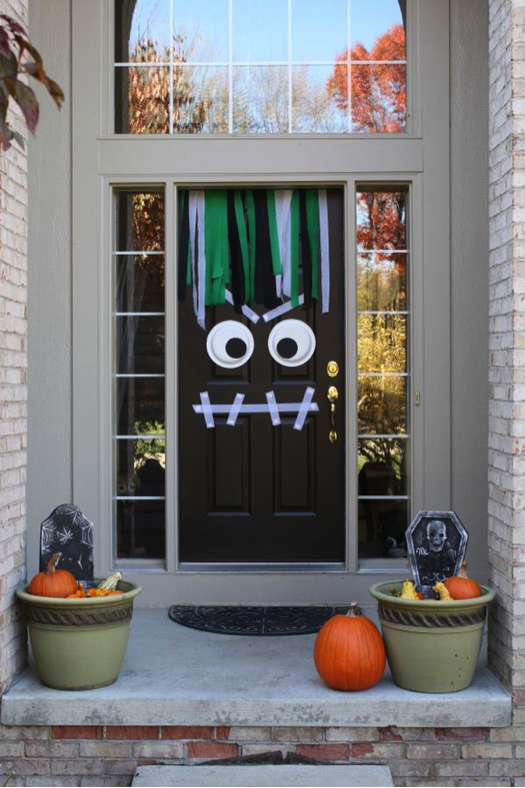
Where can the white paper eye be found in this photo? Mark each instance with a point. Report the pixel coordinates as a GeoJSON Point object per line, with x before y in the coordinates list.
{"type": "Point", "coordinates": [291, 343]}
{"type": "Point", "coordinates": [230, 344]}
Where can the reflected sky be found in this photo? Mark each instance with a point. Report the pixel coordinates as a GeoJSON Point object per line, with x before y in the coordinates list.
{"type": "Point", "coordinates": [319, 30]}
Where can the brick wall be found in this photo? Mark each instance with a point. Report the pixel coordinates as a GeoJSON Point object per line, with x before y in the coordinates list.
{"type": "Point", "coordinates": [507, 341]}
{"type": "Point", "coordinates": [98, 755]}
{"type": "Point", "coordinates": [13, 389]}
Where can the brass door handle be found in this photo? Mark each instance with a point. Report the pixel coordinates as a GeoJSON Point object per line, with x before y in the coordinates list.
{"type": "Point", "coordinates": [332, 395]}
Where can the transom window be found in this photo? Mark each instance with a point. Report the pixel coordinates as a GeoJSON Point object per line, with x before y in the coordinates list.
{"type": "Point", "coordinates": [260, 66]}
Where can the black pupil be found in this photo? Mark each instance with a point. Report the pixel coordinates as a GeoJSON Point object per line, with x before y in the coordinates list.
{"type": "Point", "coordinates": [235, 347]}
{"type": "Point", "coordinates": [287, 347]}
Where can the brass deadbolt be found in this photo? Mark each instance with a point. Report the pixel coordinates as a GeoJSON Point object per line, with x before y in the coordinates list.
{"type": "Point", "coordinates": [332, 369]}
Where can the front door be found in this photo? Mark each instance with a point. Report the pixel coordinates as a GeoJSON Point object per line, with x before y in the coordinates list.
{"type": "Point", "coordinates": [261, 445]}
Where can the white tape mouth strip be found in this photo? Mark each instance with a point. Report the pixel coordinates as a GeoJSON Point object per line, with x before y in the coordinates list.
{"type": "Point", "coordinates": [281, 310]}
{"type": "Point", "coordinates": [305, 407]}
{"type": "Point", "coordinates": [206, 409]}
{"type": "Point", "coordinates": [247, 312]}
{"type": "Point", "coordinates": [235, 408]}
{"type": "Point", "coordinates": [272, 408]}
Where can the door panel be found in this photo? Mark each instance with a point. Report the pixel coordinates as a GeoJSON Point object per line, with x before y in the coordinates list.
{"type": "Point", "coordinates": [255, 492]}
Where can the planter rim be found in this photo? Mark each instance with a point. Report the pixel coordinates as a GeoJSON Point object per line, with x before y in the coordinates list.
{"type": "Point", "coordinates": [81, 604]}
{"type": "Point", "coordinates": [381, 592]}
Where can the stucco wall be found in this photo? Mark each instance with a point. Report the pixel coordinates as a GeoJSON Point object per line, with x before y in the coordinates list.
{"type": "Point", "coordinates": [469, 89]}
{"type": "Point", "coordinates": [49, 387]}
{"type": "Point", "coordinates": [50, 472]}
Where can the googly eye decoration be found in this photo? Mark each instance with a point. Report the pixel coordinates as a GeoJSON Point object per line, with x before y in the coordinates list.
{"type": "Point", "coordinates": [291, 343]}
{"type": "Point", "coordinates": [230, 344]}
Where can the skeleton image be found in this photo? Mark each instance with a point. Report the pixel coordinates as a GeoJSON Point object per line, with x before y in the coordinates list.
{"type": "Point", "coordinates": [230, 344]}
{"type": "Point", "coordinates": [436, 535]}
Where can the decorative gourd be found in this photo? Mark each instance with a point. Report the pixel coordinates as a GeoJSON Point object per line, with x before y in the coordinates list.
{"type": "Point", "coordinates": [349, 652]}
{"type": "Point", "coordinates": [462, 586]}
{"type": "Point", "coordinates": [408, 591]}
{"type": "Point", "coordinates": [444, 595]}
{"type": "Point", "coordinates": [111, 582]}
{"type": "Point", "coordinates": [58, 583]}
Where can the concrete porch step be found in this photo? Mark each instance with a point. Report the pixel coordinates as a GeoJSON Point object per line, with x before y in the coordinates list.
{"type": "Point", "coordinates": [262, 776]}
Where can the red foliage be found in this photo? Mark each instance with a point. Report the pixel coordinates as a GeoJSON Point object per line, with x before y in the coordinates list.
{"type": "Point", "coordinates": [378, 90]}
{"type": "Point", "coordinates": [19, 57]}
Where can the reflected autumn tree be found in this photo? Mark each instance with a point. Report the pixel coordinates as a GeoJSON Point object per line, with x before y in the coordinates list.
{"type": "Point", "coordinates": [382, 338]}
{"type": "Point", "coordinates": [378, 90]}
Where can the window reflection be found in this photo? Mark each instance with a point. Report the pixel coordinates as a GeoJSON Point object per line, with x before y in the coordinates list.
{"type": "Point", "coordinates": [321, 68]}
{"type": "Point", "coordinates": [383, 372]}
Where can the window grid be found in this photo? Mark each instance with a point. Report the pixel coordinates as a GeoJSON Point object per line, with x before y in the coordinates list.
{"type": "Point", "coordinates": [230, 64]}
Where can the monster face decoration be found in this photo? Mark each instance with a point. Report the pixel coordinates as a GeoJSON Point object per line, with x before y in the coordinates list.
{"type": "Point", "coordinates": [249, 248]}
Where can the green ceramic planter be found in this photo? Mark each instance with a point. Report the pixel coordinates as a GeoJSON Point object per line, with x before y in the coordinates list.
{"type": "Point", "coordinates": [431, 646]}
{"type": "Point", "coordinates": [79, 644]}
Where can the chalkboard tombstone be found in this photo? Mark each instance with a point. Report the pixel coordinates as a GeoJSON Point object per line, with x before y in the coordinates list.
{"type": "Point", "coordinates": [68, 532]}
{"type": "Point", "coordinates": [436, 543]}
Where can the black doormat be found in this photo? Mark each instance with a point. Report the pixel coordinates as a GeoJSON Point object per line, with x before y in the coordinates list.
{"type": "Point", "coordinates": [255, 621]}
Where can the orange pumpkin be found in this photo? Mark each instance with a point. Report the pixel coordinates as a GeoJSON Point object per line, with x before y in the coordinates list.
{"type": "Point", "coordinates": [349, 652]}
{"type": "Point", "coordinates": [462, 586]}
{"type": "Point", "coordinates": [53, 582]}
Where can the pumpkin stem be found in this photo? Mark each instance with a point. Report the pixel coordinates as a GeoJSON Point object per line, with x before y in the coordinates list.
{"type": "Point", "coordinates": [353, 611]}
{"type": "Point", "coordinates": [463, 570]}
{"type": "Point", "coordinates": [51, 565]}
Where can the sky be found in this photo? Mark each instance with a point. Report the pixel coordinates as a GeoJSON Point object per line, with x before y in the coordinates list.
{"type": "Point", "coordinates": [260, 30]}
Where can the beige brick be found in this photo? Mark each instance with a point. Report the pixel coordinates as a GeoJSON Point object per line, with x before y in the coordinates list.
{"type": "Point", "coordinates": [51, 749]}
{"type": "Point", "coordinates": [164, 749]}
{"type": "Point", "coordinates": [78, 766]}
{"type": "Point", "coordinates": [486, 750]}
{"type": "Point", "coordinates": [507, 734]}
{"type": "Point", "coordinates": [249, 734]}
{"type": "Point", "coordinates": [304, 734]}
{"type": "Point", "coordinates": [432, 751]}
{"type": "Point", "coordinates": [352, 734]}
{"type": "Point", "coordinates": [105, 749]}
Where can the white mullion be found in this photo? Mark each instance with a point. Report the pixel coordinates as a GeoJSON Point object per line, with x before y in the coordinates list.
{"type": "Point", "coordinates": [381, 312]}
{"type": "Point", "coordinates": [289, 64]}
{"type": "Point", "coordinates": [171, 66]}
{"type": "Point", "coordinates": [230, 66]}
{"type": "Point", "coordinates": [348, 64]}
{"type": "Point", "coordinates": [225, 63]}
{"type": "Point", "coordinates": [383, 374]}
{"type": "Point", "coordinates": [140, 498]}
{"type": "Point", "coordinates": [134, 253]}
{"type": "Point", "coordinates": [155, 436]}
{"type": "Point", "coordinates": [170, 396]}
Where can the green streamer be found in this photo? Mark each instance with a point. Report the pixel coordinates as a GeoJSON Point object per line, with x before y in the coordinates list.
{"type": "Point", "coordinates": [274, 236]}
{"type": "Point", "coordinates": [250, 207]}
{"type": "Point", "coordinates": [243, 240]}
{"type": "Point", "coordinates": [294, 237]}
{"type": "Point", "coordinates": [216, 246]}
{"type": "Point", "coordinates": [312, 220]}
{"type": "Point", "coordinates": [185, 196]}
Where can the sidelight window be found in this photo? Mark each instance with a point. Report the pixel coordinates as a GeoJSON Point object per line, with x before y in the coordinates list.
{"type": "Point", "coordinates": [383, 371]}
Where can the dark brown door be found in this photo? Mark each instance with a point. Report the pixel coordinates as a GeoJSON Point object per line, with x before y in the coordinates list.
{"type": "Point", "coordinates": [255, 492]}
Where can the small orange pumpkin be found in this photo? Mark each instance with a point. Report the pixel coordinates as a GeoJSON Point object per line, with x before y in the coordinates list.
{"type": "Point", "coordinates": [462, 586]}
{"type": "Point", "coordinates": [349, 652]}
{"type": "Point", "coordinates": [53, 582]}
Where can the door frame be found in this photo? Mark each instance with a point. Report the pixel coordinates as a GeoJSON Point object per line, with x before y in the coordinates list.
{"type": "Point", "coordinates": [101, 161]}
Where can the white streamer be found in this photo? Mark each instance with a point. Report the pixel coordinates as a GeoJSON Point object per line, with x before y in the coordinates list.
{"type": "Point", "coordinates": [192, 208]}
{"type": "Point", "coordinates": [283, 200]}
{"type": "Point", "coordinates": [206, 409]}
{"type": "Point", "coordinates": [235, 409]}
{"type": "Point", "coordinates": [247, 312]}
{"type": "Point", "coordinates": [272, 407]}
{"type": "Point", "coordinates": [201, 257]}
{"type": "Point", "coordinates": [304, 408]}
{"type": "Point", "coordinates": [281, 310]}
{"type": "Point", "coordinates": [325, 250]}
